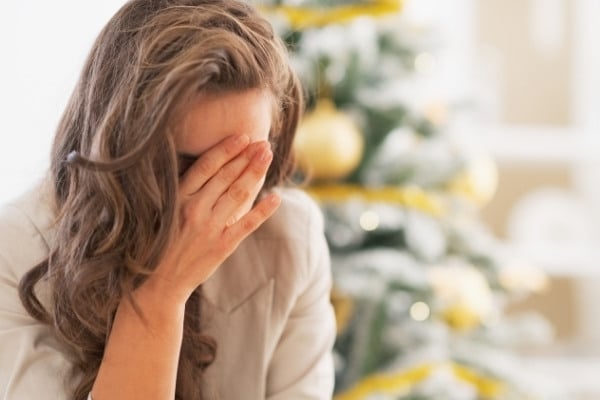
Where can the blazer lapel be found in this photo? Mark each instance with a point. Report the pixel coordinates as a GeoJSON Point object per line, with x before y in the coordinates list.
{"type": "Point", "coordinates": [237, 278]}
{"type": "Point", "coordinates": [236, 313]}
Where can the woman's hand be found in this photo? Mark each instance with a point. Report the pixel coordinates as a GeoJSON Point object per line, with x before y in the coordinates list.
{"type": "Point", "coordinates": [215, 198]}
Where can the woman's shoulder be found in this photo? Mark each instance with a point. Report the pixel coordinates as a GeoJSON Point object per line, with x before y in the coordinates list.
{"type": "Point", "coordinates": [25, 228]}
{"type": "Point", "coordinates": [31, 360]}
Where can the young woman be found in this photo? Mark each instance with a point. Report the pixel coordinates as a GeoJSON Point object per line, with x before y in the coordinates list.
{"type": "Point", "coordinates": [157, 261]}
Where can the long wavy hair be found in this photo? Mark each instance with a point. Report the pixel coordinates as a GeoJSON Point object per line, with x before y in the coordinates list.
{"type": "Point", "coordinates": [114, 166]}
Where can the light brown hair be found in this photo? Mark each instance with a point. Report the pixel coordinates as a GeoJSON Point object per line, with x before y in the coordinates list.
{"type": "Point", "coordinates": [114, 165]}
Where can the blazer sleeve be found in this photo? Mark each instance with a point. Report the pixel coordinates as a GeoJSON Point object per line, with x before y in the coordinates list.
{"type": "Point", "coordinates": [31, 364]}
{"type": "Point", "coordinates": [302, 363]}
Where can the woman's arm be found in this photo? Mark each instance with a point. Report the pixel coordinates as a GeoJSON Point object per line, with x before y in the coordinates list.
{"type": "Point", "coordinates": [141, 356]}
{"type": "Point", "coordinates": [142, 352]}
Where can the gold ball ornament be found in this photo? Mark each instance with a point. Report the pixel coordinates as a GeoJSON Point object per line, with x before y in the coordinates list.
{"type": "Point", "coordinates": [478, 182]}
{"type": "Point", "coordinates": [463, 295]}
{"type": "Point", "coordinates": [328, 144]}
{"type": "Point", "coordinates": [461, 317]}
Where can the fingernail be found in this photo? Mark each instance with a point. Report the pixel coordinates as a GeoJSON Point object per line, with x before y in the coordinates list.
{"type": "Point", "coordinates": [266, 155]}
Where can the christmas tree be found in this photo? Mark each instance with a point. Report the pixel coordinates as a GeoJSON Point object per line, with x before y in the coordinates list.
{"type": "Point", "coordinates": [420, 283]}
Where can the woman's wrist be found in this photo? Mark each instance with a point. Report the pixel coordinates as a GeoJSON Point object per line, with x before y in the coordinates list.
{"type": "Point", "coordinates": [160, 283]}
{"type": "Point", "coordinates": [158, 300]}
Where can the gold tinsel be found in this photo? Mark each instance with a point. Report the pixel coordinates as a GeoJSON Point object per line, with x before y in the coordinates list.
{"type": "Point", "coordinates": [403, 382]}
{"type": "Point", "coordinates": [409, 196]}
{"type": "Point", "coordinates": [344, 308]}
{"type": "Point", "coordinates": [307, 17]}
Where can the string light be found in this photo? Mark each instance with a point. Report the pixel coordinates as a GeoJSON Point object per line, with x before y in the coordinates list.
{"type": "Point", "coordinates": [369, 220]}
{"type": "Point", "coordinates": [419, 311]}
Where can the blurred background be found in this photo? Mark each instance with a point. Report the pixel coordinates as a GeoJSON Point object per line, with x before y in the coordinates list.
{"type": "Point", "coordinates": [452, 147]}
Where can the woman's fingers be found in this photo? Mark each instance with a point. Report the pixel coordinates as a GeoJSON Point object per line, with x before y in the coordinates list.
{"type": "Point", "coordinates": [209, 232]}
{"type": "Point", "coordinates": [239, 213]}
{"type": "Point", "coordinates": [198, 257]}
{"type": "Point", "coordinates": [242, 191]}
{"type": "Point", "coordinates": [211, 162]}
{"type": "Point", "coordinates": [263, 210]}
{"type": "Point", "coordinates": [227, 176]}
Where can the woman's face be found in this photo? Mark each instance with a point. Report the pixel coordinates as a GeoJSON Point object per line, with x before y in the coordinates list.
{"type": "Point", "coordinates": [213, 118]}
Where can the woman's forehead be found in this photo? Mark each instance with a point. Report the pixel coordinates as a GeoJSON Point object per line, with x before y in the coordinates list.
{"type": "Point", "coordinates": [211, 119]}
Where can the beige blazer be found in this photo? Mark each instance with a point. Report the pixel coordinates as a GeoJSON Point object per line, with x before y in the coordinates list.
{"type": "Point", "coordinates": [267, 306]}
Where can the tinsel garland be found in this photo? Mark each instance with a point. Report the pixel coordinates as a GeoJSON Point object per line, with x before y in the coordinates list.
{"type": "Point", "coordinates": [402, 383]}
{"type": "Point", "coordinates": [303, 17]}
{"type": "Point", "coordinates": [410, 196]}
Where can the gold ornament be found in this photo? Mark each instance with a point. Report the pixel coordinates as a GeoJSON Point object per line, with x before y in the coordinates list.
{"type": "Point", "coordinates": [461, 317]}
{"type": "Point", "coordinates": [463, 295]}
{"type": "Point", "coordinates": [328, 144]}
{"type": "Point", "coordinates": [478, 182]}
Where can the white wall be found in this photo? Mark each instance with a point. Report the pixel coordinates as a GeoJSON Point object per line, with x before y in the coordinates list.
{"type": "Point", "coordinates": [43, 45]}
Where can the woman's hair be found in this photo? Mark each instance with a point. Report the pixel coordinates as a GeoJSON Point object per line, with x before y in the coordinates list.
{"type": "Point", "coordinates": [114, 164]}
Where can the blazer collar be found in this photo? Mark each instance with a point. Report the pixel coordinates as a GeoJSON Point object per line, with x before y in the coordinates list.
{"type": "Point", "coordinates": [238, 278]}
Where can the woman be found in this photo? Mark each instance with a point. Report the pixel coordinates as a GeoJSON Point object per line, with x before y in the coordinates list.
{"type": "Point", "coordinates": [156, 261]}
